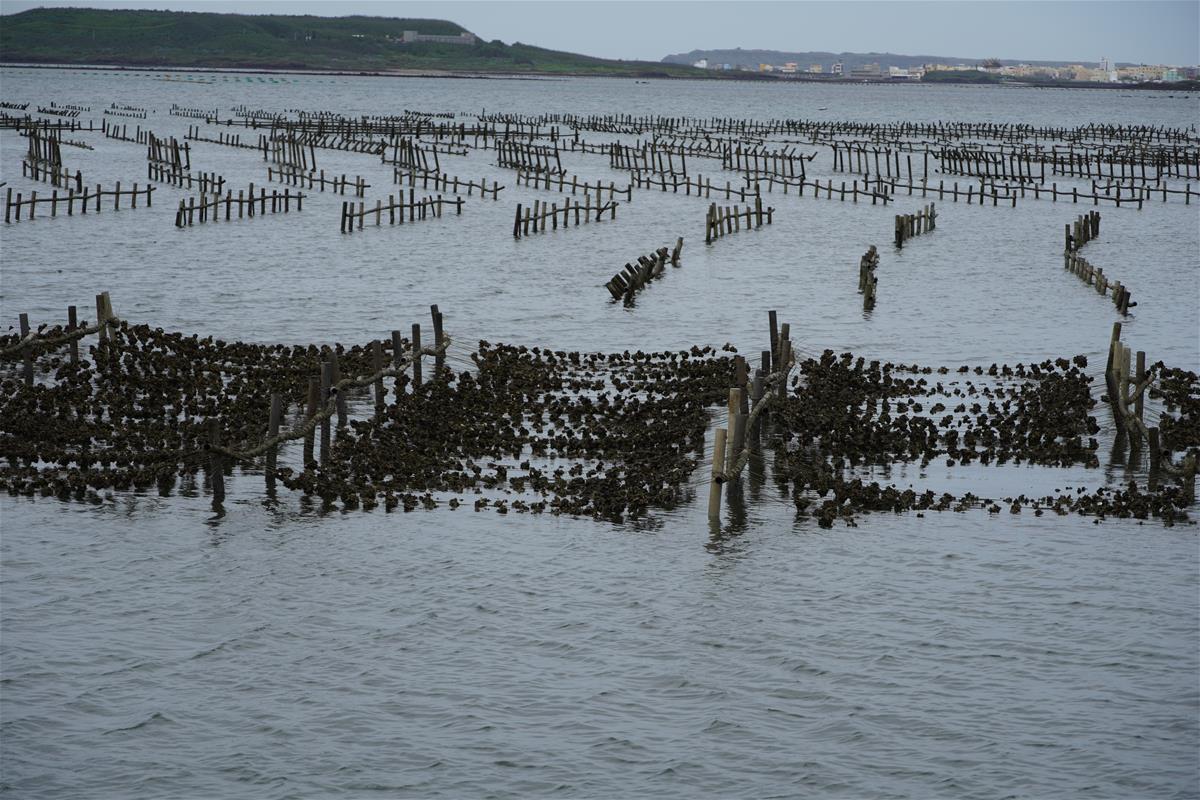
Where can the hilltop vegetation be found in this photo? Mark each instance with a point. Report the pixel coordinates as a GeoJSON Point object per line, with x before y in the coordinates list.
{"type": "Point", "coordinates": [202, 39]}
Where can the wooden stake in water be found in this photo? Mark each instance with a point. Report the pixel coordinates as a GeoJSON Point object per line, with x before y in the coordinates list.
{"type": "Point", "coordinates": [215, 465]}
{"type": "Point", "coordinates": [273, 431]}
{"type": "Point", "coordinates": [718, 476]}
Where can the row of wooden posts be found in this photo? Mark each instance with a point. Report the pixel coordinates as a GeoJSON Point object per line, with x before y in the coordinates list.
{"type": "Point", "coordinates": [868, 283]}
{"type": "Point", "coordinates": [560, 181]}
{"type": "Point", "coordinates": [1085, 228]}
{"type": "Point", "coordinates": [1126, 394]}
{"type": "Point", "coordinates": [1131, 193]}
{"type": "Point", "coordinates": [722, 220]}
{"type": "Point", "coordinates": [206, 182]}
{"type": "Point", "coordinates": [534, 219]}
{"type": "Point", "coordinates": [528, 157]}
{"type": "Point", "coordinates": [632, 279]}
{"type": "Point", "coordinates": [208, 209]}
{"type": "Point", "coordinates": [128, 111]}
{"type": "Point", "coordinates": [295, 176]}
{"type": "Point", "coordinates": [1095, 277]}
{"type": "Point", "coordinates": [120, 133]}
{"type": "Point", "coordinates": [334, 142]}
{"type": "Point", "coordinates": [1018, 163]}
{"type": "Point", "coordinates": [291, 153]}
{"type": "Point", "coordinates": [910, 225]}
{"type": "Point", "coordinates": [43, 146]}
{"type": "Point", "coordinates": [417, 209]}
{"type": "Point", "coordinates": [878, 188]}
{"type": "Point", "coordinates": [734, 445]}
{"type": "Point", "coordinates": [759, 161]}
{"type": "Point", "coordinates": [24, 123]}
{"type": "Point", "coordinates": [327, 398]}
{"type": "Point", "coordinates": [84, 199]}
{"type": "Point", "coordinates": [446, 183]}
{"type": "Point", "coordinates": [177, 110]}
{"type": "Point", "coordinates": [56, 176]}
{"type": "Point", "coordinates": [410, 154]}
{"type": "Point", "coordinates": [30, 341]}
{"type": "Point", "coordinates": [646, 159]}
{"type": "Point", "coordinates": [228, 139]}
{"type": "Point", "coordinates": [877, 195]}
{"type": "Point", "coordinates": [169, 152]}
{"type": "Point", "coordinates": [702, 185]}
{"type": "Point", "coordinates": [534, 126]}
{"type": "Point", "coordinates": [326, 393]}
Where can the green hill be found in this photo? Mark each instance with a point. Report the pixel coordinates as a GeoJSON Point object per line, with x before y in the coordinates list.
{"type": "Point", "coordinates": [201, 39]}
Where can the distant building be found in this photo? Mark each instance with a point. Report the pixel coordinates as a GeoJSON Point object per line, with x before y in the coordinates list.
{"type": "Point", "coordinates": [1140, 73]}
{"type": "Point", "coordinates": [702, 63]}
{"type": "Point", "coordinates": [409, 37]}
{"type": "Point", "coordinates": [790, 67]}
{"type": "Point", "coordinates": [1171, 75]}
{"type": "Point", "coordinates": [816, 69]}
{"type": "Point", "coordinates": [866, 71]}
{"type": "Point", "coordinates": [837, 68]}
{"type": "Point", "coordinates": [766, 68]}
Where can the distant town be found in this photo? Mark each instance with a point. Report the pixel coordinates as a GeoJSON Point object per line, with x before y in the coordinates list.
{"type": "Point", "coordinates": [1104, 72]}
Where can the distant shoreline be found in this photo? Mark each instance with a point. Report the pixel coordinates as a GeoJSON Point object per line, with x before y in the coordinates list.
{"type": "Point", "coordinates": [752, 77]}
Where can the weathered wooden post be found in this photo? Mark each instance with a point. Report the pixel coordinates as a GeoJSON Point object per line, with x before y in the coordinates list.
{"type": "Point", "coordinates": [72, 324]}
{"type": "Point", "coordinates": [416, 355]}
{"type": "Point", "coordinates": [273, 431]}
{"type": "Point", "coordinates": [718, 475]}
{"type": "Point", "coordinates": [397, 349]}
{"type": "Point", "coordinates": [439, 361]}
{"type": "Point", "coordinates": [310, 411]}
{"type": "Point", "coordinates": [101, 318]}
{"type": "Point", "coordinates": [773, 322]}
{"type": "Point", "coordinates": [327, 368]}
{"type": "Point", "coordinates": [26, 352]}
{"type": "Point", "coordinates": [737, 432]}
{"type": "Point", "coordinates": [1139, 402]}
{"type": "Point", "coordinates": [1152, 437]}
{"type": "Point", "coordinates": [377, 367]}
{"type": "Point", "coordinates": [1110, 368]}
{"type": "Point", "coordinates": [785, 355]}
{"type": "Point", "coordinates": [215, 465]}
{"type": "Point", "coordinates": [340, 396]}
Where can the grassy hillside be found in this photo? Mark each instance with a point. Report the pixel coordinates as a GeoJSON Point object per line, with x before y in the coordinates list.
{"type": "Point", "coordinates": [199, 39]}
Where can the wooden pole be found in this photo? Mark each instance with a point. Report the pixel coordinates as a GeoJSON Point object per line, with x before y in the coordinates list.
{"type": "Point", "coordinates": [72, 323]}
{"type": "Point", "coordinates": [439, 362]}
{"type": "Point", "coordinates": [215, 466]}
{"type": "Point", "coordinates": [26, 352]}
{"type": "Point", "coordinates": [273, 421]}
{"type": "Point", "coordinates": [377, 366]}
{"type": "Point", "coordinates": [416, 355]}
{"type": "Point", "coordinates": [310, 411]}
{"type": "Point", "coordinates": [718, 476]}
{"type": "Point", "coordinates": [326, 384]}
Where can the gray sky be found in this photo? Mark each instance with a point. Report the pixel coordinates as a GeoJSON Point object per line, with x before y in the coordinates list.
{"type": "Point", "coordinates": [1140, 31]}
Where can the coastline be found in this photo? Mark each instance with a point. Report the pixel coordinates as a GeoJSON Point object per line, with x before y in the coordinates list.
{"type": "Point", "coordinates": [752, 77]}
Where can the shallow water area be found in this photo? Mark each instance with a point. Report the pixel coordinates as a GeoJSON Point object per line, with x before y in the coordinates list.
{"type": "Point", "coordinates": [152, 648]}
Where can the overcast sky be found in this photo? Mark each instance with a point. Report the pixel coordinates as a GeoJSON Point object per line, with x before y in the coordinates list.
{"type": "Point", "coordinates": [1140, 31]}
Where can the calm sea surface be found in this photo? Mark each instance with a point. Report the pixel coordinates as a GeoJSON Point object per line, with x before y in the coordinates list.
{"type": "Point", "coordinates": [149, 649]}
